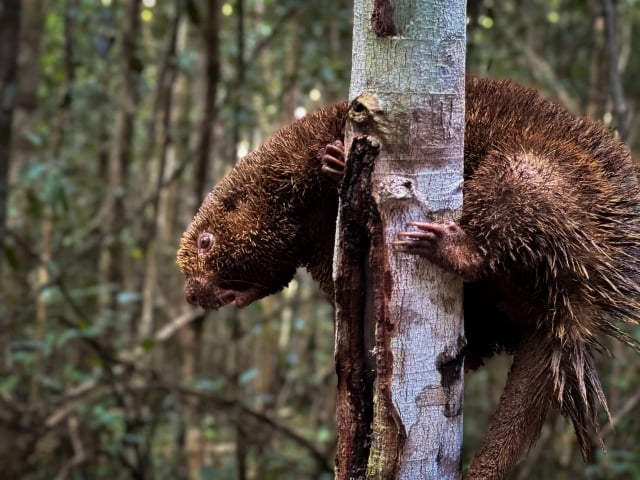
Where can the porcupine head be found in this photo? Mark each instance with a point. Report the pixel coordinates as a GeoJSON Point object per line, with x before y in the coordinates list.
{"type": "Point", "coordinates": [273, 212]}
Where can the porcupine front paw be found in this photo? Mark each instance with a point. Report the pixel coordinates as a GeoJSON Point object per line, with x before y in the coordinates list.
{"type": "Point", "coordinates": [445, 244]}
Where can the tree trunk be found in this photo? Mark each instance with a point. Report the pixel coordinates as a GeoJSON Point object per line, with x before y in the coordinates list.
{"type": "Point", "coordinates": [616, 91]}
{"type": "Point", "coordinates": [150, 240]}
{"type": "Point", "coordinates": [126, 101]}
{"type": "Point", "coordinates": [31, 31]}
{"type": "Point", "coordinates": [399, 318]}
{"type": "Point", "coordinates": [190, 336]}
{"type": "Point", "coordinates": [9, 34]}
{"type": "Point", "coordinates": [210, 37]}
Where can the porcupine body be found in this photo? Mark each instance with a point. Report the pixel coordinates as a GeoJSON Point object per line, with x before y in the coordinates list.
{"type": "Point", "coordinates": [551, 213]}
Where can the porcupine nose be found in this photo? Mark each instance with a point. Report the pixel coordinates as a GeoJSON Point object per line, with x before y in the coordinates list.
{"type": "Point", "coordinates": [191, 297]}
{"type": "Point", "coordinates": [191, 289]}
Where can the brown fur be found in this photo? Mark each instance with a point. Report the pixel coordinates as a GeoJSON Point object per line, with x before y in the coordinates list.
{"type": "Point", "coordinates": [551, 208]}
{"type": "Point", "coordinates": [275, 211]}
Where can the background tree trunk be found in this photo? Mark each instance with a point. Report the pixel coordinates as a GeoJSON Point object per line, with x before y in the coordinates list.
{"type": "Point", "coordinates": [406, 165]}
{"type": "Point", "coordinates": [29, 58]}
{"type": "Point", "coordinates": [159, 148]}
{"type": "Point", "coordinates": [190, 337]}
{"type": "Point", "coordinates": [114, 210]}
{"type": "Point", "coordinates": [9, 35]}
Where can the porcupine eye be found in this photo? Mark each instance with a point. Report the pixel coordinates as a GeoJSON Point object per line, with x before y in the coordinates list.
{"type": "Point", "coordinates": [205, 241]}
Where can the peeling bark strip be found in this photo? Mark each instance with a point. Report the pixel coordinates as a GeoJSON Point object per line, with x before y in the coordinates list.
{"type": "Point", "coordinates": [362, 281]}
{"type": "Point", "coordinates": [388, 434]}
{"type": "Point", "coordinates": [382, 22]}
{"type": "Point", "coordinates": [354, 391]}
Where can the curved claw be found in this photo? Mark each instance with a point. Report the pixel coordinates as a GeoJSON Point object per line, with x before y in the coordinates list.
{"type": "Point", "coordinates": [333, 161]}
{"type": "Point", "coordinates": [419, 235]}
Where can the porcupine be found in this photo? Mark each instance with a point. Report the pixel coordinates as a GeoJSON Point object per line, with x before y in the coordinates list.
{"type": "Point", "coordinates": [548, 245]}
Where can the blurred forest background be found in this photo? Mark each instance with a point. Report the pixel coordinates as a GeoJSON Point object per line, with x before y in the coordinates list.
{"type": "Point", "coordinates": [124, 113]}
